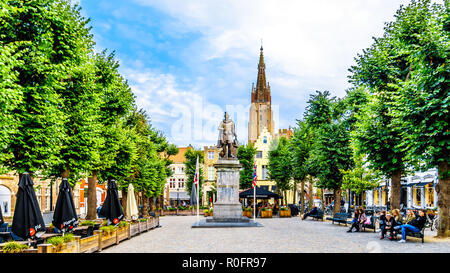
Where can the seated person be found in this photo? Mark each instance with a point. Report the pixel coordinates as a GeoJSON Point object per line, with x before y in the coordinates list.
{"type": "Point", "coordinates": [356, 221]}
{"type": "Point", "coordinates": [415, 225]}
{"type": "Point", "coordinates": [313, 211]}
{"type": "Point", "coordinates": [388, 226]}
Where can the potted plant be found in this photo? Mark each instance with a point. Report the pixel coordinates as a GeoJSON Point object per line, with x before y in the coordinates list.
{"type": "Point", "coordinates": [109, 235]}
{"type": "Point", "coordinates": [206, 212]}
{"type": "Point", "coordinates": [14, 247]}
{"type": "Point", "coordinates": [247, 212]}
{"type": "Point", "coordinates": [63, 244]}
{"type": "Point", "coordinates": [122, 230]}
{"type": "Point", "coordinates": [266, 213]}
{"type": "Point", "coordinates": [285, 212]}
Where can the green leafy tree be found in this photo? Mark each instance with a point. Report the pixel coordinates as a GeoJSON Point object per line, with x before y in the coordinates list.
{"type": "Point", "coordinates": [300, 146]}
{"type": "Point", "coordinates": [191, 159]}
{"type": "Point", "coordinates": [420, 36]}
{"type": "Point", "coordinates": [246, 156]}
{"type": "Point", "coordinates": [333, 153]}
{"type": "Point", "coordinates": [80, 99]}
{"type": "Point", "coordinates": [117, 102]}
{"type": "Point", "coordinates": [280, 165]}
{"type": "Point", "coordinates": [41, 59]}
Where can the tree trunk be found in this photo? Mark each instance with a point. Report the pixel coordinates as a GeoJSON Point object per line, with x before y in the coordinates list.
{"type": "Point", "coordinates": [65, 173]}
{"type": "Point", "coordinates": [321, 200]}
{"type": "Point", "coordinates": [337, 200]}
{"type": "Point", "coordinates": [145, 202]}
{"type": "Point", "coordinates": [443, 191]}
{"type": "Point", "coordinates": [92, 197]}
{"type": "Point", "coordinates": [295, 192]}
{"type": "Point", "coordinates": [310, 189]}
{"type": "Point", "coordinates": [150, 203]}
{"type": "Point", "coordinates": [302, 197]}
{"type": "Point", "coordinates": [395, 190]}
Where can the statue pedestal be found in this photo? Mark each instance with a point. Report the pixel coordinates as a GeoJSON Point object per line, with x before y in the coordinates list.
{"type": "Point", "coordinates": [227, 209]}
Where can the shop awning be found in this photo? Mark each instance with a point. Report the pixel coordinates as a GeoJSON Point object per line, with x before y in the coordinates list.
{"type": "Point", "coordinates": [182, 195]}
{"type": "Point", "coordinates": [419, 184]}
{"type": "Point", "coordinates": [260, 194]}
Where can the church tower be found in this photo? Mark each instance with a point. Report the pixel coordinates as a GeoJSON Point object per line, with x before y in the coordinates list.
{"type": "Point", "coordinates": [260, 114]}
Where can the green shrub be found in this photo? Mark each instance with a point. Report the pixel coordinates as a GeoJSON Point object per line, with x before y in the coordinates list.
{"type": "Point", "coordinates": [87, 223]}
{"type": "Point", "coordinates": [284, 208]}
{"type": "Point", "coordinates": [143, 220]}
{"type": "Point", "coordinates": [14, 247]}
{"type": "Point", "coordinates": [68, 237]}
{"type": "Point", "coordinates": [56, 241]}
{"type": "Point", "coordinates": [108, 229]}
{"type": "Point", "coordinates": [122, 224]}
{"type": "Point", "coordinates": [205, 211]}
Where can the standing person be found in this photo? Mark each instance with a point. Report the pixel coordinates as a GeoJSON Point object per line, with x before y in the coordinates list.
{"type": "Point", "coordinates": [415, 225]}
{"type": "Point", "coordinates": [382, 221]}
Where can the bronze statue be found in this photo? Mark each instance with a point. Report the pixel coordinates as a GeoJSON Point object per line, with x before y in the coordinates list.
{"type": "Point", "coordinates": [227, 138]}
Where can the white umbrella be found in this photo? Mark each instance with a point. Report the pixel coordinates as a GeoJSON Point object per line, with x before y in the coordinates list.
{"type": "Point", "coordinates": [132, 209]}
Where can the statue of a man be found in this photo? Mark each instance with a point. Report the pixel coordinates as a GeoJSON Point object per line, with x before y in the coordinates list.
{"type": "Point", "coordinates": [227, 138]}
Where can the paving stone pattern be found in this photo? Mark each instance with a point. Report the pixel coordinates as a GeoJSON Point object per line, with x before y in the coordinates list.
{"type": "Point", "coordinates": [285, 235]}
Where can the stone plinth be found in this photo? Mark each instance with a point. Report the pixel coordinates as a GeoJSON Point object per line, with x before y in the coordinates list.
{"type": "Point", "coordinates": [227, 209]}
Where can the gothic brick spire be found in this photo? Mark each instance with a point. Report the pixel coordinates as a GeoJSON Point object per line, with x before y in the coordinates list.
{"type": "Point", "coordinates": [262, 91]}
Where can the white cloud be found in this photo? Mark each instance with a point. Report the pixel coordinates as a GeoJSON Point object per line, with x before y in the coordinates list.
{"type": "Point", "coordinates": [308, 46]}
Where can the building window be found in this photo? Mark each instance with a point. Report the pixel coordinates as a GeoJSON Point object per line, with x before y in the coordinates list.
{"type": "Point", "coordinates": [39, 196]}
{"type": "Point", "coordinates": [265, 172]}
{"type": "Point", "coordinates": [211, 173]}
{"type": "Point", "coordinates": [210, 155]}
{"type": "Point", "coordinates": [429, 195]}
{"type": "Point", "coordinates": [274, 188]}
{"type": "Point", "coordinates": [259, 154]}
{"type": "Point", "coordinates": [417, 197]}
{"type": "Point", "coordinates": [47, 199]}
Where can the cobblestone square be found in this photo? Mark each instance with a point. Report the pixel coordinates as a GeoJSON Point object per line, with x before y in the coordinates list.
{"type": "Point", "coordinates": [279, 235]}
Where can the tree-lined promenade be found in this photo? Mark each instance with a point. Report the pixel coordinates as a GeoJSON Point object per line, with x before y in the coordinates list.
{"type": "Point", "coordinates": [394, 119]}
{"type": "Point", "coordinates": [66, 111]}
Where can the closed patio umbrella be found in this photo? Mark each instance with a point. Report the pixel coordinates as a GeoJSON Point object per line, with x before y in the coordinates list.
{"type": "Point", "coordinates": [1, 216]}
{"type": "Point", "coordinates": [193, 198]}
{"type": "Point", "coordinates": [132, 209]}
{"type": "Point", "coordinates": [111, 209]}
{"type": "Point", "coordinates": [65, 216]}
{"type": "Point", "coordinates": [27, 220]}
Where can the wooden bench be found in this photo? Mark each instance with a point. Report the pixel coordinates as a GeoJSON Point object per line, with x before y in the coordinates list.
{"type": "Point", "coordinates": [339, 218]}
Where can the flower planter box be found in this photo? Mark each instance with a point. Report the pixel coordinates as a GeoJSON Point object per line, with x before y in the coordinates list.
{"type": "Point", "coordinates": [123, 233]}
{"type": "Point", "coordinates": [266, 214]}
{"type": "Point", "coordinates": [170, 212]}
{"type": "Point", "coordinates": [70, 247]}
{"type": "Point", "coordinates": [106, 239]}
{"type": "Point", "coordinates": [184, 212]}
{"type": "Point", "coordinates": [89, 244]}
{"type": "Point", "coordinates": [134, 229]}
{"type": "Point", "coordinates": [143, 226]}
{"type": "Point", "coordinates": [249, 214]}
{"type": "Point", "coordinates": [285, 213]}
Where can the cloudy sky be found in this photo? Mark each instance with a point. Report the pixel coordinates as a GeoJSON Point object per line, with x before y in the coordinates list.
{"type": "Point", "coordinates": [189, 61]}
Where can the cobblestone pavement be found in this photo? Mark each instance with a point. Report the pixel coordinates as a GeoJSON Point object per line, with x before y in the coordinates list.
{"type": "Point", "coordinates": [278, 235]}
